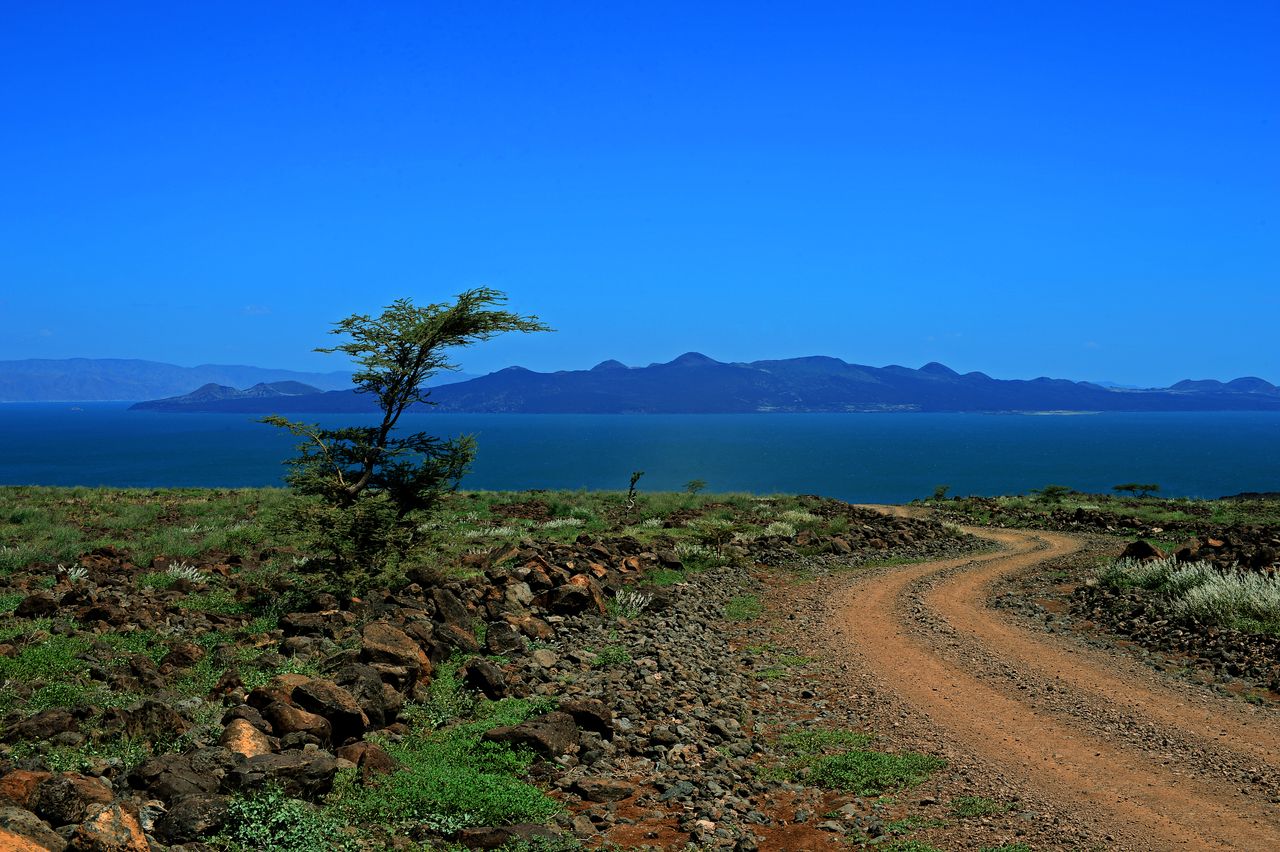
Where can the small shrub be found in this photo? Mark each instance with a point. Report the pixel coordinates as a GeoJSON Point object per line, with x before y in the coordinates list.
{"type": "Point", "coordinates": [612, 655]}
{"type": "Point", "coordinates": [271, 820]}
{"type": "Point", "coordinates": [781, 529]}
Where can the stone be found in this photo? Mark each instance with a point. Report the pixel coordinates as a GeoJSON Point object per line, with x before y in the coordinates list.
{"type": "Point", "coordinates": [450, 636]}
{"type": "Point", "coordinates": [287, 719]}
{"type": "Point", "coordinates": [591, 714]}
{"type": "Point", "coordinates": [36, 605]}
{"type": "Point", "coordinates": [250, 715]}
{"type": "Point", "coordinates": [147, 720]}
{"type": "Point", "coordinates": [1142, 551]}
{"type": "Point", "coordinates": [12, 842]}
{"type": "Point", "coordinates": [383, 642]}
{"type": "Point", "coordinates": [369, 758]}
{"type": "Point", "coordinates": [481, 674]}
{"type": "Point", "coordinates": [365, 683]}
{"type": "Point", "coordinates": [24, 823]}
{"type": "Point", "coordinates": [301, 774]}
{"type": "Point", "coordinates": [171, 775]}
{"type": "Point", "coordinates": [334, 703]}
{"type": "Point", "coordinates": [19, 786]}
{"type": "Point", "coordinates": [449, 609]}
{"type": "Point", "coordinates": [110, 828]}
{"type": "Point", "coordinates": [550, 735]}
{"type": "Point", "coordinates": [45, 725]}
{"type": "Point", "coordinates": [502, 638]}
{"type": "Point", "coordinates": [494, 837]}
{"type": "Point", "coordinates": [65, 798]}
{"type": "Point", "coordinates": [603, 789]}
{"type": "Point", "coordinates": [192, 817]}
{"type": "Point", "coordinates": [241, 737]}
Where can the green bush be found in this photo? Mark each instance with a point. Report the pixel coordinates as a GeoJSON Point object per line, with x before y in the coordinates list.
{"type": "Point", "coordinates": [271, 820]}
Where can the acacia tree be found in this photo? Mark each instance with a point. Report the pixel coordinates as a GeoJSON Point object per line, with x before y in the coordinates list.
{"type": "Point", "coordinates": [362, 489]}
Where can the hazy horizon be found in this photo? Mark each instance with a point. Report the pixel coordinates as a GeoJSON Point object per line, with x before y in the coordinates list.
{"type": "Point", "coordinates": [1084, 192]}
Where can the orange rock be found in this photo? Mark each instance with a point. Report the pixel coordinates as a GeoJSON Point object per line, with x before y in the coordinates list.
{"type": "Point", "coordinates": [287, 683]}
{"type": "Point", "coordinates": [111, 828]}
{"type": "Point", "coordinates": [243, 738]}
{"type": "Point", "coordinates": [631, 563]}
{"type": "Point", "coordinates": [19, 785]}
{"type": "Point", "coordinates": [11, 842]}
{"type": "Point", "coordinates": [287, 719]}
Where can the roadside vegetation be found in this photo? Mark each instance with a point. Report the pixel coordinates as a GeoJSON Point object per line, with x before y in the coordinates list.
{"type": "Point", "coordinates": [1133, 509]}
{"type": "Point", "coordinates": [1200, 593]}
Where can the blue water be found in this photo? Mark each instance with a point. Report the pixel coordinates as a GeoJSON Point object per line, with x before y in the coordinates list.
{"type": "Point", "coordinates": [861, 457]}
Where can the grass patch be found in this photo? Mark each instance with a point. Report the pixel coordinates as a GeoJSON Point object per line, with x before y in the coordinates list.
{"type": "Point", "coordinates": [967, 807]}
{"type": "Point", "coordinates": [612, 655]}
{"type": "Point", "coordinates": [838, 760]}
{"type": "Point", "coordinates": [450, 779]}
{"type": "Point", "coordinates": [743, 608]}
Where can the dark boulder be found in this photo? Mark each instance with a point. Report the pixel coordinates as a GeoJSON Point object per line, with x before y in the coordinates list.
{"type": "Point", "coordinates": [65, 798]}
{"type": "Point", "coordinates": [1142, 551]}
{"type": "Point", "coordinates": [192, 817]}
{"type": "Point", "coordinates": [550, 735]}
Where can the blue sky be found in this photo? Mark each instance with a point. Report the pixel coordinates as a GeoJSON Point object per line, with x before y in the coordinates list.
{"type": "Point", "coordinates": [1086, 190]}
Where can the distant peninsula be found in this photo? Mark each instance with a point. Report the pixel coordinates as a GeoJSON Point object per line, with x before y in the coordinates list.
{"type": "Point", "coordinates": [697, 384]}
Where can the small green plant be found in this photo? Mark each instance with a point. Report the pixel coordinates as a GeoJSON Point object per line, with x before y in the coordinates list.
{"type": "Point", "coordinates": [271, 820]}
{"type": "Point", "coordinates": [631, 489]}
{"type": "Point", "coordinates": [693, 486]}
{"type": "Point", "coordinates": [837, 760]}
{"type": "Point", "coordinates": [967, 807]}
{"type": "Point", "coordinates": [612, 655]}
{"type": "Point", "coordinates": [743, 608]}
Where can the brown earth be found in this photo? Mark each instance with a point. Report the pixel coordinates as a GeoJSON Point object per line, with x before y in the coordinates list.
{"type": "Point", "coordinates": [1123, 753]}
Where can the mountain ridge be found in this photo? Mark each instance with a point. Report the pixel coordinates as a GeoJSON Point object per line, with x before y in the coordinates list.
{"type": "Point", "coordinates": [695, 383]}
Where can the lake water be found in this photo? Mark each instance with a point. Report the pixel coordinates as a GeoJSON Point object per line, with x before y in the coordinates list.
{"type": "Point", "coordinates": [859, 457]}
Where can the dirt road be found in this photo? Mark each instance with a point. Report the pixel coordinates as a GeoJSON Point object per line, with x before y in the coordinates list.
{"type": "Point", "coordinates": [1157, 765]}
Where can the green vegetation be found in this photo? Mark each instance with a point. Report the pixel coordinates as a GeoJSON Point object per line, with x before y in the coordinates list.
{"type": "Point", "coordinates": [612, 655]}
{"type": "Point", "coordinates": [1137, 489]}
{"type": "Point", "coordinates": [743, 608]}
{"type": "Point", "coordinates": [271, 820]}
{"type": "Point", "coordinates": [836, 760]}
{"type": "Point", "coordinates": [45, 527]}
{"type": "Point", "coordinates": [1201, 593]}
{"type": "Point", "coordinates": [967, 807]}
{"type": "Point", "coordinates": [362, 491]}
{"type": "Point", "coordinates": [1120, 513]}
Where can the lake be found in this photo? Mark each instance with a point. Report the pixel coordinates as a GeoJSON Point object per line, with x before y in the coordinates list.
{"type": "Point", "coordinates": [858, 457]}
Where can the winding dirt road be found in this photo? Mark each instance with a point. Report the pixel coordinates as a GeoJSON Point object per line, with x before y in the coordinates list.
{"type": "Point", "coordinates": [1097, 733]}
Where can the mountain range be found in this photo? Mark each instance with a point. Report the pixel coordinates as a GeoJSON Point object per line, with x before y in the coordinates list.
{"type": "Point", "coordinates": [107, 379]}
{"type": "Point", "coordinates": [695, 383]}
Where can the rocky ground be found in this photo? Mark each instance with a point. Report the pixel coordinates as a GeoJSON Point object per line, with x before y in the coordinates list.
{"type": "Point", "coordinates": [144, 715]}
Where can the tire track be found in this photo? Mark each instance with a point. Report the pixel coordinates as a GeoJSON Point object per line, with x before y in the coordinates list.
{"type": "Point", "coordinates": [1146, 803]}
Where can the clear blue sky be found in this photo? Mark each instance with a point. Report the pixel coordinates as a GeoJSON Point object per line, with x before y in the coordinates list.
{"type": "Point", "coordinates": [1086, 190]}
